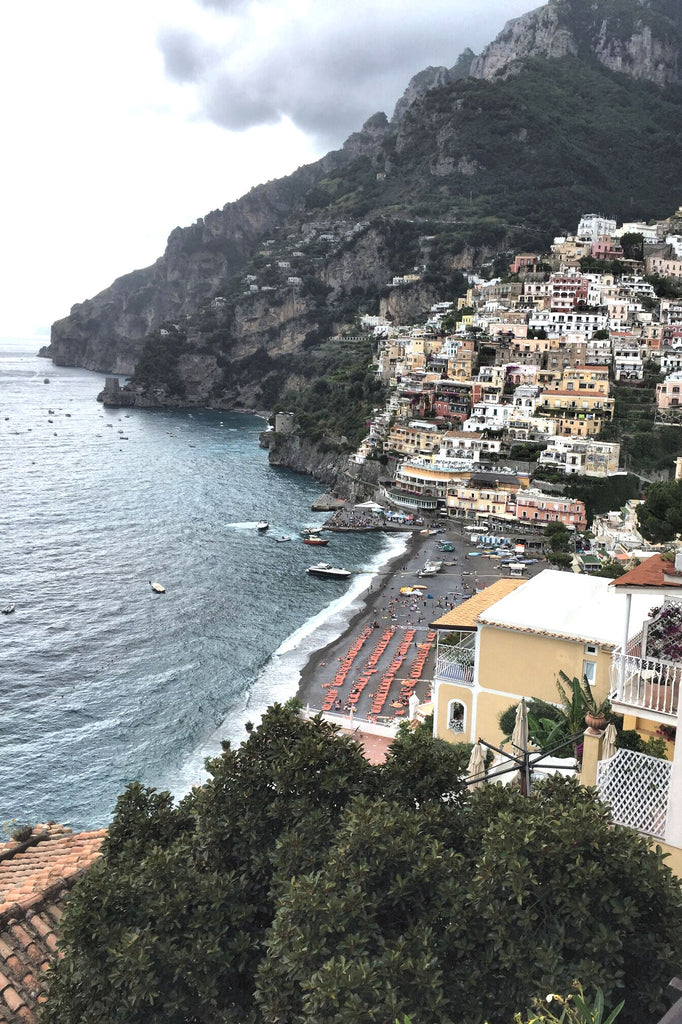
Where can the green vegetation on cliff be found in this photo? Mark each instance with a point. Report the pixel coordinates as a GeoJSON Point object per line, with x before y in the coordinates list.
{"type": "Point", "coordinates": [527, 154]}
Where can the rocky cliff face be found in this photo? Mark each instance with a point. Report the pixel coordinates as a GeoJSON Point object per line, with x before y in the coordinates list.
{"type": "Point", "coordinates": [349, 480]}
{"type": "Point", "coordinates": [106, 332]}
{"type": "Point", "coordinates": [641, 40]}
{"type": "Point", "coordinates": [431, 164]}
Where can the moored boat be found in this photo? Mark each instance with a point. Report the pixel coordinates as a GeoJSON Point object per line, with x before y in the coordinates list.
{"type": "Point", "coordinates": [326, 571]}
{"type": "Point", "coordinates": [315, 541]}
{"type": "Point", "coordinates": [158, 588]}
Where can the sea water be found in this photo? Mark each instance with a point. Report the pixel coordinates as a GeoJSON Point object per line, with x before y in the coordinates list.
{"type": "Point", "coordinates": [102, 681]}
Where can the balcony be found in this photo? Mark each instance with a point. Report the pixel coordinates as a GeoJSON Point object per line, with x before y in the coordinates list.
{"type": "Point", "coordinates": [647, 685]}
{"type": "Point", "coordinates": [456, 663]}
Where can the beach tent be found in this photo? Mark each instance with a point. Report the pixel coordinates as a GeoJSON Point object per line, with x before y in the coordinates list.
{"type": "Point", "coordinates": [370, 506]}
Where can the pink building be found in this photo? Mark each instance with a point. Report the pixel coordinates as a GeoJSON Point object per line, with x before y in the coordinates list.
{"type": "Point", "coordinates": [536, 507]}
{"type": "Point", "coordinates": [669, 393]}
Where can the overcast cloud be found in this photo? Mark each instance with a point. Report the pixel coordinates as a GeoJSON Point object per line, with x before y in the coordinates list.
{"type": "Point", "coordinates": [327, 67]}
{"type": "Point", "coordinates": [124, 120]}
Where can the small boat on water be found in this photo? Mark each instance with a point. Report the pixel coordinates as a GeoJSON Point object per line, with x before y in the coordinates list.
{"type": "Point", "coordinates": [8, 609]}
{"type": "Point", "coordinates": [157, 587]}
{"type": "Point", "coordinates": [262, 526]}
{"type": "Point", "coordinates": [315, 541]}
{"type": "Point", "coordinates": [329, 572]}
{"type": "Point", "coordinates": [311, 531]}
{"type": "Point", "coordinates": [281, 540]}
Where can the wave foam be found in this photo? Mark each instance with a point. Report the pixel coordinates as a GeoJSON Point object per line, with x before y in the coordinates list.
{"type": "Point", "coordinates": [280, 676]}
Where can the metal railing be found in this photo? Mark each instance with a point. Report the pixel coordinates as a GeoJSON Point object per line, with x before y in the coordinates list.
{"type": "Point", "coordinates": [456, 663]}
{"type": "Point", "coordinates": [649, 684]}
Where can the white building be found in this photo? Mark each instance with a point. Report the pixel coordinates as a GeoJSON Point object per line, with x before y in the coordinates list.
{"type": "Point", "coordinates": [593, 226]}
{"type": "Point", "coordinates": [580, 456]}
{"type": "Point", "coordinates": [556, 324]}
{"type": "Point", "coordinates": [490, 415]}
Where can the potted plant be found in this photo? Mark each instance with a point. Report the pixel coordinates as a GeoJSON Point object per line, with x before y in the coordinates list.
{"type": "Point", "coordinates": [579, 704]}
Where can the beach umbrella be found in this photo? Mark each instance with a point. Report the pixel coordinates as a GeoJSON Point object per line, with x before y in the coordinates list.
{"type": "Point", "coordinates": [520, 746]}
{"type": "Point", "coordinates": [412, 705]}
{"type": "Point", "coordinates": [519, 739]}
{"type": "Point", "coordinates": [476, 766]}
{"type": "Point", "coordinates": [608, 748]}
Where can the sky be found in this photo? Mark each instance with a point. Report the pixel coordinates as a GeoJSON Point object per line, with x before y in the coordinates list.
{"type": "Point", "coordinates": [122, 121]}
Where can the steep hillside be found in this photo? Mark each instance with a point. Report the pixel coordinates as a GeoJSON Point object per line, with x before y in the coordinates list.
{"type": "Point", "coordinates": [576, 106]}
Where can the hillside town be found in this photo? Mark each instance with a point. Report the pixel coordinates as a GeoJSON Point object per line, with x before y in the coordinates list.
{"type": "Point", "coordinates": [524, 367]}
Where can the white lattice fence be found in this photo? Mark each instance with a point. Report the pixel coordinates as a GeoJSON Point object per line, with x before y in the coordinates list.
{"type": "Point", "coordinates": [636, 787]}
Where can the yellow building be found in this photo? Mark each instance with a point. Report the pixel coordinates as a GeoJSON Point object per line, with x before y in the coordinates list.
{"type": "Point", "coordinates": [576, 414]}
{"type": "Point", "coordinates": [512, 641]}
{"type": "Point", "coordinates": [413, 438]}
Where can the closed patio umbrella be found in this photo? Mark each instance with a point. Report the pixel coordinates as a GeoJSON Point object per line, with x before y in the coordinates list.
{"type": "Point", "coordinates": [519, 742]}
{"type": "Point", "coordinates": [519, 739]}
{"type": "Point", "coordinates": [608, 747]}
{"type": "Point", "coordinates": [476, 766]}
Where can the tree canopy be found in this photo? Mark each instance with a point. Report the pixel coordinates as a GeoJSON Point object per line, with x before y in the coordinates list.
{"type": "Point", "coordinates": [302, 884]}
{"type": "Point", "coordinates": [660, 515]}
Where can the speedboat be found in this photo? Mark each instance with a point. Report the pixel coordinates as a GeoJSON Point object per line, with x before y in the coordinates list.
{"type": "Point", "coordinates": [158, 588]}
{"type": "Point", "coordinates": [311, 531]}
{"type": "Point", "coordinates": [326, 571]}
{"type": "Point", "coordinates": [262, 526]}
{"type": "Point", "coordinates": [8, 609]}
{"type": "Point", "coordinates": [281, 540]}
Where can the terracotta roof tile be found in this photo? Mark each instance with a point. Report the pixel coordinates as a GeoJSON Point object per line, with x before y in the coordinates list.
{"type": "Point", "coordinates": [35, 875]}
{"type": "Point", "coordinates": [465, 615]}
{"type": "Point", "coordinates": [652, 572]}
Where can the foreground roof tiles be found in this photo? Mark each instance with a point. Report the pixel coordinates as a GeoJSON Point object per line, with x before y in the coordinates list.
{"type": "Point", "coordinates": [35, 875]}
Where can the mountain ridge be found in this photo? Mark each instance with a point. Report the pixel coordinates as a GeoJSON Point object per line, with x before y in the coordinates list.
{"type": "Point", "coordinates": [470, 164]}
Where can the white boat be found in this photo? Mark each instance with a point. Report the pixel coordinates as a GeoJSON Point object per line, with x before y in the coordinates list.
{"type": "Point", "coordinates": [262, 526]}
{"type": "Point", "coordinates": [431, 568]}
{"type": "Point", "coordinates": [327, 571]}
{"type": "Point", "coordinates": [8, 609]}
{"type": "Point", "coordinates": [281, 540]}
{"type": "Point", "coordinates": [157, 587]}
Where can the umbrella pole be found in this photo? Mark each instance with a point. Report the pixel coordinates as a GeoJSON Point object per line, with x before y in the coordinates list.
{"type": "Point", "coordinates": [525, 782]}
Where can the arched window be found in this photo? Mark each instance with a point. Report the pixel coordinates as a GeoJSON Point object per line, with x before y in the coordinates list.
{"type": "Point", "coordinates": [456, 716]}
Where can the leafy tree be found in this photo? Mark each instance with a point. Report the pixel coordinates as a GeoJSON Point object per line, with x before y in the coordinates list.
{"type": "Point", "coordinates": [302, 883]}
{"type": "Point", "coordinates": [466, 927]}
{"type": "Point", "coordinates": [660, 515]}
{"type": "Point", "coordinates": [632, 243]}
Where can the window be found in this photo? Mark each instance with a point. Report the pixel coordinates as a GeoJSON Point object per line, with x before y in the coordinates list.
{"type": "Point", "coordinates": [456, 716]}
{"type": "Point", "coordinates": [589, 671]}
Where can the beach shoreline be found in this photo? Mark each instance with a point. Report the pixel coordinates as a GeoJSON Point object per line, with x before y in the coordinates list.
{"type": "Point", "coordinates": [363, 678]}
{"type": "Point", "coordinates": [309, 692]}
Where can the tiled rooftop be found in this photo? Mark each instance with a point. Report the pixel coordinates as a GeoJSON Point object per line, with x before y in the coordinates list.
{"type": "Point", "coordinates": [465, 615]}
{"type": "Point", "coordinates": [651, 572]}
{"type": "Point", "coordinates": [34, 877]}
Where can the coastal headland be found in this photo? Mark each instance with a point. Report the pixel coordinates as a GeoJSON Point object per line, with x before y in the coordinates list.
{"type": "Point", "coordinates": [364, 679]}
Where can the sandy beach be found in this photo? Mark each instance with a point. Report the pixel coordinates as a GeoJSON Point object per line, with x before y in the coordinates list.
{"type": "Point", "coordinates": [388, 650]}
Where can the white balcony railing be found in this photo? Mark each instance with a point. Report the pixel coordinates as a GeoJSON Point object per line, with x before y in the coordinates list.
{"type": "Point", "coordinates": [647, 684]}
{"type": "Point", "coordinates": [456, 663]}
